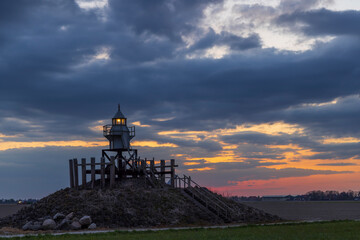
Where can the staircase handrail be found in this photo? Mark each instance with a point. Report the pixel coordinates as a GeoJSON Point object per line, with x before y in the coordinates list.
{"type": "Point", "coordinates": [207, 199]}
{"type": "Point", "coordinates": [213, 196]}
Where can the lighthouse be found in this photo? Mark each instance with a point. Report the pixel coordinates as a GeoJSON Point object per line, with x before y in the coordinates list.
{"type": "Point", "coordinates": [119, 136]}
{"type": "Point", "coordinates": [120, 161]}
{"type": "Point", "coordinates": [118, 133]}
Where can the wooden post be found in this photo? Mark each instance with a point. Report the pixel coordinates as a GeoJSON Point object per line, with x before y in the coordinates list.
{"type": "Point", "coordinates": [152, 167]}
{"type": "Point", "coordinates": [144, 169]}
{"type": "Point", "coordinates": [189, 181]}
{"type": "Point", "coordinates": [172, 164]}
{"type": "Point", "coordinates": [102, 172]}
{"type": "Point", "coordinates": [162, 169]}
{"type": "Point", "coordinates": [83, 172]}
{"type": "Point", "coordinates": [123, 167]}
{"type": "Point", "coordinates": [112, 171]}
{"type": "Point", "coordinates": [133, 164]}
{"type": "Point", "coordinates": [143, 166]}
{"type": "Point", "coordinates": [92, 172]}
{"type": "Point", "coordinates": [71, 169]}
{"type": "Point", "coordinates": [76, 175]}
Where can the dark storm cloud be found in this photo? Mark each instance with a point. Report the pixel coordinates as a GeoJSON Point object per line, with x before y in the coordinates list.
{"type": "Point", "coordinates": [225, 166]}
{"type": "Point", "coordinates": [264, 14]}
{"type": "Point", "coordinates": [295, 5]}
{"type": "Point", "coordinates": [160, 17]}
{"type": "Point", "coordinates": [323, 22]}
{"type": "Point", "coordinates": [258, 138]}
{"type": "Point", "coordinates": [336, 164]}
{"type": "Point", "coordinates": [340, 119]}
{"type": "Point", "coordinates": [58, 87]}
{"type": "Point", "coordinates": [225, 38]}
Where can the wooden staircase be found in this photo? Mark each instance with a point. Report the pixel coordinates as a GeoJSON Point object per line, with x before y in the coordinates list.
{"type": "Point", "coordinates": [209, 200]}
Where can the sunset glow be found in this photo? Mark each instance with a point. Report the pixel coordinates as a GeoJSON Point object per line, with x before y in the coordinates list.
{"type": "Point", "coordinates": [250, 97]}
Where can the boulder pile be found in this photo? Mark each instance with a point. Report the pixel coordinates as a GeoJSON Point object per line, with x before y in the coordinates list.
{"type": "Point", "coordinates": [60, 222]}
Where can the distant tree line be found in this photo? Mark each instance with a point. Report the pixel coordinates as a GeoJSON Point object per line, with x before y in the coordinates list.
{"type": "Point", "coordinates": [311, 196]}
{"type": "Point", "coordinates": [332, 195]}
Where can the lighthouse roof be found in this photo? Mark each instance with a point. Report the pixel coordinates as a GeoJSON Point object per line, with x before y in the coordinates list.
{"type": "Point", "coordinates": [119, 114]}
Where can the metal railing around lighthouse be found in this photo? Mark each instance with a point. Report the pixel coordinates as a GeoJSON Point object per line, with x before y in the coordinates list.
{"type": "Point", "coordinates": [107, 130]}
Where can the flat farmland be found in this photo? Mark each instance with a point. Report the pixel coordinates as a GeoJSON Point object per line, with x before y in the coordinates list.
{"type": "Point", "coordinates": [9, 209]}
{"type": "Point", "coordinates": [308, 210]}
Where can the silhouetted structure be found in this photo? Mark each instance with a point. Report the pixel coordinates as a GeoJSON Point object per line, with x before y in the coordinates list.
{"type": "Point", "coordinates": [120, 161]}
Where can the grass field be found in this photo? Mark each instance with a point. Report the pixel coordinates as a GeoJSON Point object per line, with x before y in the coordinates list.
{"type": "Point", "coordinates": [343, 230]}
{"type": "Point", "coordinates": [311, 210]}
{"type": "Point", "coordinates": [9, 209]}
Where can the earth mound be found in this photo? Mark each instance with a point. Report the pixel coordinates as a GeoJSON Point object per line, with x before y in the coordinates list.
{"type": "Point", "coordinates": [131, 205]}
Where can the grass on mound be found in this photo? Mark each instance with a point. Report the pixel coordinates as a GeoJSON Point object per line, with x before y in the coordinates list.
{"type": "Point", "coordinates": [326, 230]}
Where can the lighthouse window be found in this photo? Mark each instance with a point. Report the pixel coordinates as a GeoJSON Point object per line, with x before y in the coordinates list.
{"type": "Point", "coordinates": [119, 121]}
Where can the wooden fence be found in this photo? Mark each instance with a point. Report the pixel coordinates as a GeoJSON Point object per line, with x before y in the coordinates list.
{"type": "Point", "coordinates": [108, 172]}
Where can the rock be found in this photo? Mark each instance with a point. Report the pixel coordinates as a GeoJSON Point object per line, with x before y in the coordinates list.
{"type": "Point", "coordinates": [75, 225]}
{"type": "Point", "coordinates": [64, 225]}
{"type": "Point", "coordinates": [58, 216]}
{"type": "Point", "coordinates": [27, 225]}
{"type": "Point", "coordinates": [70, 216]}
{"type": "Point", "coordinates": [36, 226]}
{"type": "Point", "coordinates": [49, 224]}
{"type": "Point", "coordinates": [85, 221]}
{"type": "Point", "coordinates": [92, 226]}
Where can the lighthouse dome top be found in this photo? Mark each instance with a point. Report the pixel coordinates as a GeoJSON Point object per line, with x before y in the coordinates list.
{"type": "Point", "coordinates": [119, 114]}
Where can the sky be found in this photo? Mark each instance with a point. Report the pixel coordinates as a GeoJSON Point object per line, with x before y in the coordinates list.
{"type": "Point", "coordinates": [251, 97]}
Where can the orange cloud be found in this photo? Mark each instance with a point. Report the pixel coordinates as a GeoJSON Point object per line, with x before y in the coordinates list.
{"type": "Point", "coordinates": [138, 123]}
{"type": "Point", "coordinates": [224, 156]}
{"type": "Point", "coordinates": [153, 144]}
{"type": "Point", "coordinates": [200, 169]}
{"type": "Point", "coordinates": [340, 140]}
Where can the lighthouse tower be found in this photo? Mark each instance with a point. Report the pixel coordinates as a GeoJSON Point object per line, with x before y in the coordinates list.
{"type": "Point", "coordinates": [118, 133]}
{"type": "Point", "coordinates": [119, 136]}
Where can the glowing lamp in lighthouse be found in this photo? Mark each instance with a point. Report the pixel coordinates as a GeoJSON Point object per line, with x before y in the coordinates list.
{"type": "Point", "coordinates": [118, 133]}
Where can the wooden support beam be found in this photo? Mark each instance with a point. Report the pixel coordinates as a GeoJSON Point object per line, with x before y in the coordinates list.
{"type": "Point", "coordinates": [152, 167]}
{"type": "Point", "coordinates": [189, 181]}
{"type": "Point", "coordinates": [76, 173]}
{"type": "Point", "coordinates": [143, 166]}
{"type": "Point", "coordinates": [102, 172]}
{"type": "Point", "coordinates": [83, 172]}
{"type": "Point", "coordinates": [112, 171]}
{"type": "Point", "coordinates": [120, 166]}
{"type": "Point", "coordinates": [124, 163]}
{"type": "Point", "coordinates": [162, 167]}
{"type": "Point", "coordinates": [71, 169]}
{"type": "Point", "coordinates": [172, 163]}
{"type": "Point", "coordinates": [92, 172]}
